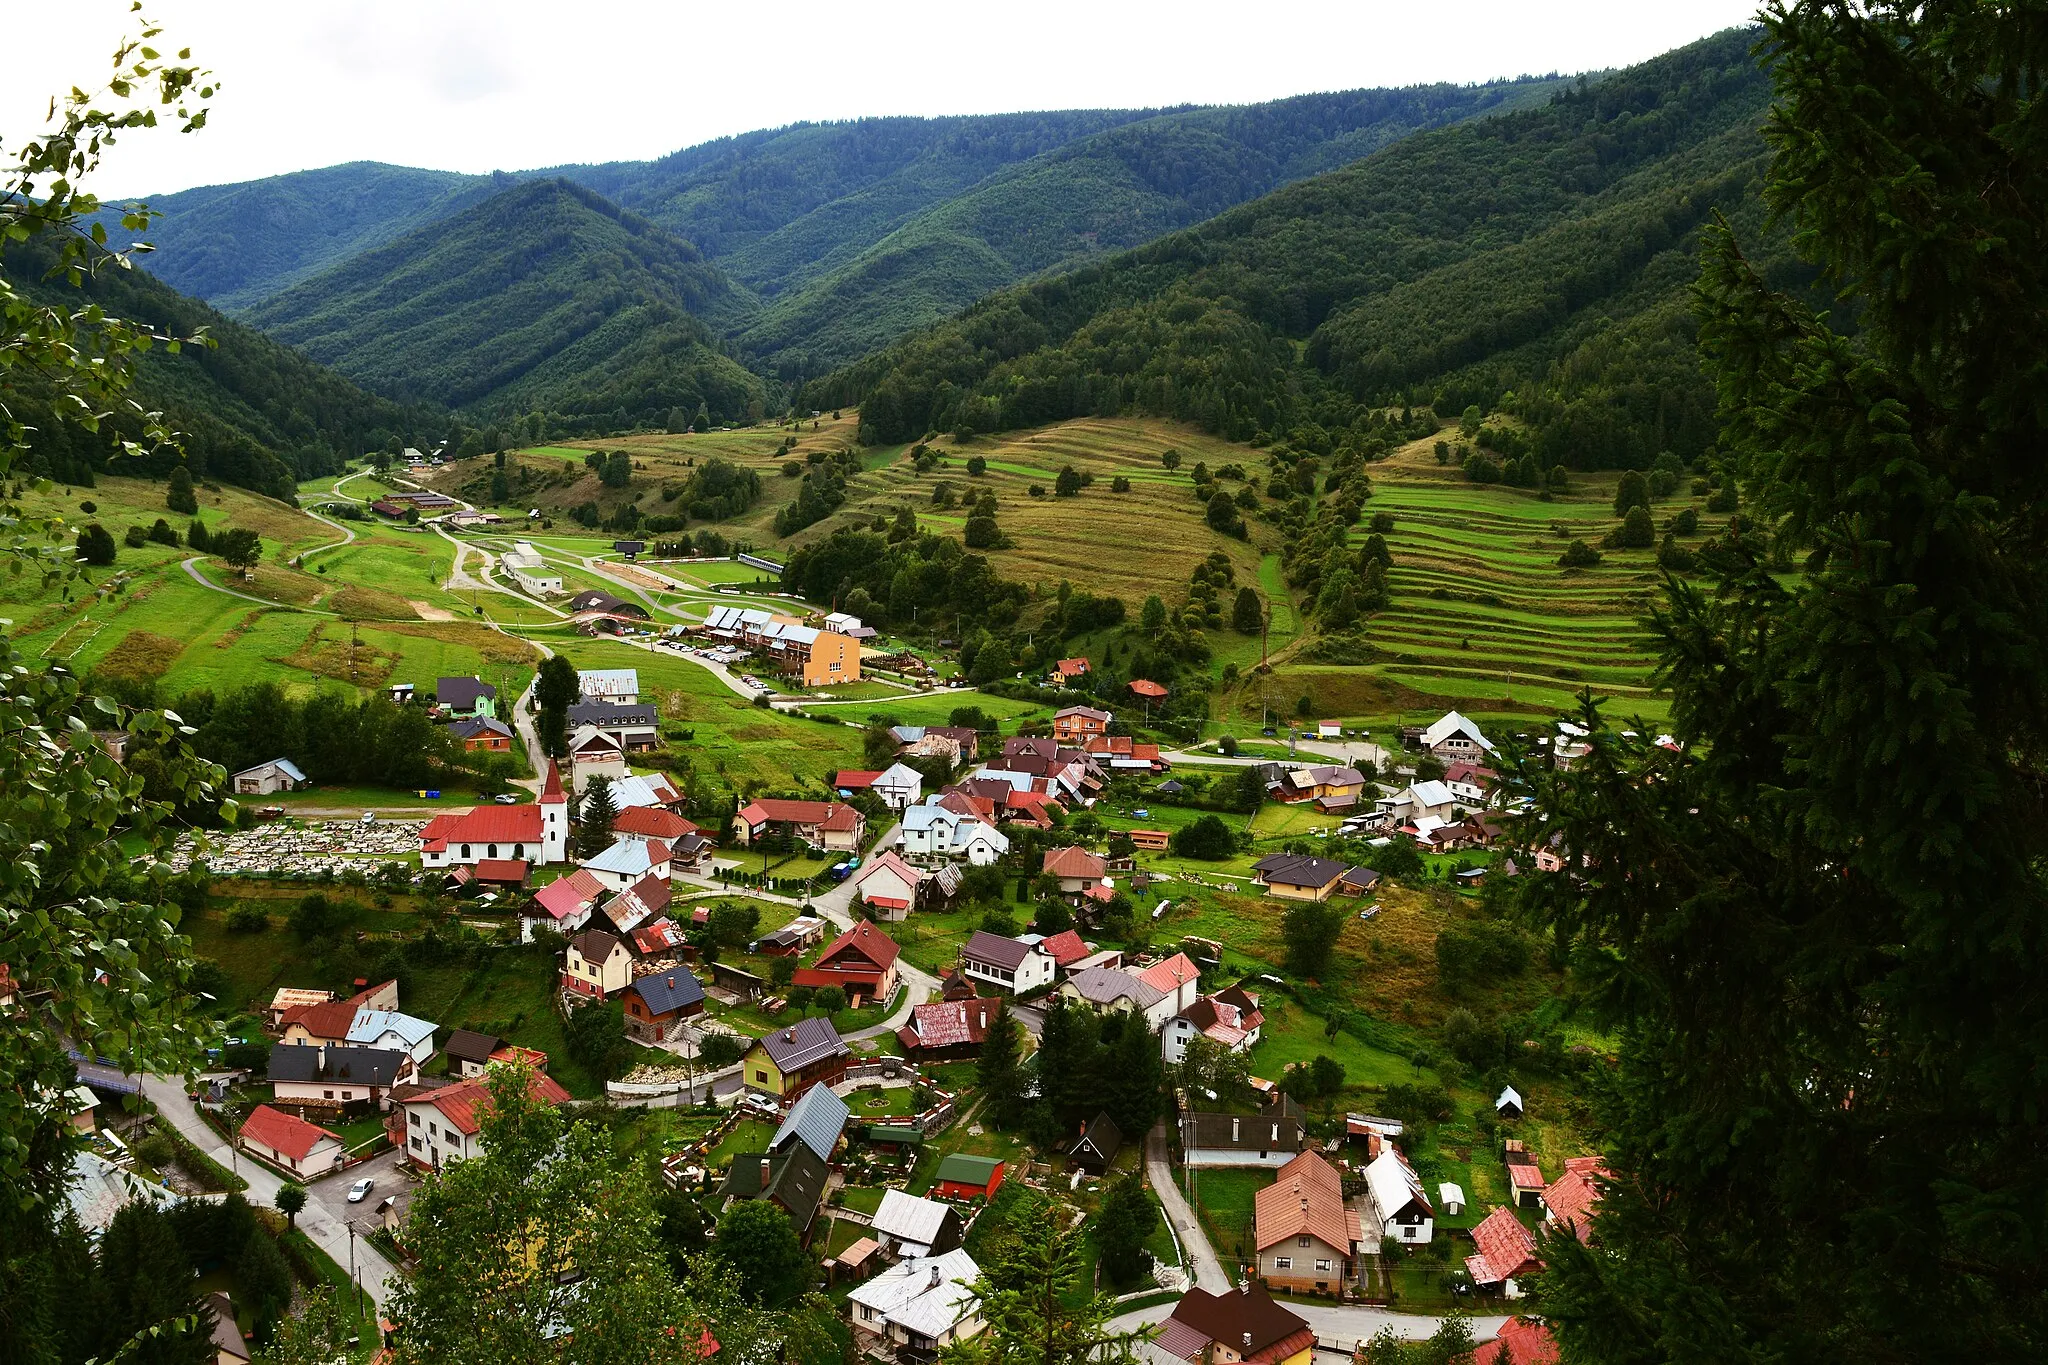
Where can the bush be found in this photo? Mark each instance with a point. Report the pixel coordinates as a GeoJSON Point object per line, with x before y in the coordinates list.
{"type": "Point", "coordinates": [247, 919]}
{"type": "Point", "coordinates": [1637, 531]}
{"type": "Point", "coordinates": [135, 538]}
{"type": "Point", "coordinates": [1686, 523]}
{"type": "Point", "coordinates": [1578, 555]}
{"type": "Point", "coordinates": [96, 545]}
{"type": "Point", "coordinates": [1207, 838]}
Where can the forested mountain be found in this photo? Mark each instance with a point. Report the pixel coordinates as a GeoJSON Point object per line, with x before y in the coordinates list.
{"type": "Point", "coordinates": [546, 295]}
{"type": "Point", "coordinates": [253, 412]}
{"type": "Point", "coordinates": [854, 234]}
{"type": "Point", "coordinates": [237, 245]}
{"type": "Point", "coordinates": [1537, 259]}
{"type": "Point", "coordinates": [1100, 194]}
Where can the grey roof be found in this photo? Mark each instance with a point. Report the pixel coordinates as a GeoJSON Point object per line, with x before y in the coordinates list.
{"type": "Point", "coordinates": [1008, 953]}
{"type": "Point", "coordinates": [1276, 1128]}
{"type": "Point", "coordinates": [467, 1045]}
{"type": "Point", "coordinates": [462, 692]}
{"type": "Point", "coordinates": [1107, 985]}
{"type": "Point", "coordinates": [802, 1043]}
{"type": "Point", "coordinates": [471, 726]}
{"type": "Point", "coordinates": [796, 1180]}
{"type": "Point", "coordinates": [335, 1062]}
{"type": "Point", "coordinates": [1298, 869]}
{"type": "Point", "coordinates": [818, 1118]}
{"type": "Point", "coordinates": [669, 990]}
{"type": "Point", "coordinates": [604, 714]}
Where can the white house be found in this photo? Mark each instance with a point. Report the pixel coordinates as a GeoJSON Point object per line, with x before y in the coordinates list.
{"type": "Point", "coordinates": [920, 1304]}
{"type": "Point", "coordinates": [1454, 737]}
{"type": "Point", "coordinates": [1009, 963]}
{"type": "Point", "coordinates": [1421, 801]}
{"type": "Point", "coordinates": [936, 834]}
{"type": "Point", "coordinates": [628, 860]}
{"type": "Point", "coordinates": [1398, 1203]}
{"type": "Point", "coordinates": [278, 775]}
{"type": "Point", "coordinates": [888, 886]}
{"type": "Point", "coordinates": [620, 686]}
{"type": "Point", "coordinates": [393, 1031]}
{"type": "Point", "coordinates": [900, 786]}
{"type": "Point", "coordinates": [529, 570]}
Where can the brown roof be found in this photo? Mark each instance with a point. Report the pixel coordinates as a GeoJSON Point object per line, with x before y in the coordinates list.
{"type": "Point", "coordinates": [652, 821]}
{"type": "Point", "coordinates": [1228, 1316]}
{"type": "Point", "coordinates": [862, 940]}
{"type": "Point", "coordinates": [1306, 1196]}
{"type": "Point", "coordinates": [594, 945]}
{"type": "Point", "coordinates": [950, 1023]}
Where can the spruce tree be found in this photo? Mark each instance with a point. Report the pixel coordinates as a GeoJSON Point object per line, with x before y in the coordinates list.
{"type": "Point", "coordinates": [179, 497]}
{"type": "Point", "coordinates": [594, 820]}
{"type": "Point", "coordinates": [997, 1072]}
{"type": "Point", "coordinates": [1816, 925]}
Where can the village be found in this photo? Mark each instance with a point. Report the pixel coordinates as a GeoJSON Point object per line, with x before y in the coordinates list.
{"type": "Point", "coordinates": [801, 1041]}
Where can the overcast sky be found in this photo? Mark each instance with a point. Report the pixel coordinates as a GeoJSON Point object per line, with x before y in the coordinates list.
{"type": "Point", "coordinates": [516, 84]}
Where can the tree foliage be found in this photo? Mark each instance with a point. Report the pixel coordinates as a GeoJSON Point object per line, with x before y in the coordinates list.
{"type": "Point", "coordinates": [1817, 925]}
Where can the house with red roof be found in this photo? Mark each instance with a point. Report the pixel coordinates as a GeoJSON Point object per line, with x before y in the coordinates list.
{"type": "Point", "coordinates": [1148, 690]}
{"type": "Point", "coordinates": [563, 905]}
{"type": "Point", "coordinates": [861, 961]}
{"type": "Point", "coordinates": [830, 825]}
{"type": "Point", "coordinates": [1571, 1199]}
{"type": "Point", "coordinates": [1067, 948]}
{"type": "Point", "coordinates": [1231, 1019]}
{"type": "Point", "coordinates": [652, 822]}
{"type": "Point", "coordinates": [1306, 1238]}
{"type": "Point", "coordinates": [329, 1021]}
{"type": "Point", "coordinates": [888, 886]}
{"type": "Point", "coordinates": [1525, 1177]}
{"type": "Point", "coordinates": [1522, 1341]}
{"type": "Point", "coordinates": [283, 1140]}
{"type": "Point", "coordinates": [1077, 869]}
{"type": "Point", "coordinates": [1067, 671]}
{"type": "Point", "coordinates": [1504, 1250]}
{"type": "Point", "coordinates": [536, 833]}
{"type": "Point", "coordinates": [847, 781]}
{"type": "Point", "coordinates": [1179, 983]}
{"type": "Point", "coordinates": [445, 1123]}
{"type": "Point", "coordinates": [943, 1030]}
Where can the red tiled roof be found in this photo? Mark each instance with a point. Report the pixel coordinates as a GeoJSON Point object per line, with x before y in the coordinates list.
{"type": "Point", "coordinates": [1145, 687]}
{"type": "Point", "coordinates": [854, 780]}
{"type": "Point", "coordinates": [949, 1023]}
{"type": "Point", "coordinates": [1167, 976]}
{"type": "Point", "coordinates": [841, 818]}
{"type": "Point", "coordinates": [1065, 946]}
{"type": "Point", "coordinates": [523, 1056]}
{"type": "Point", "coordinates": [487, 825]}
{"type": "Point", "coordinates": [1073, 861]}
{"type": "Point", "coordinates": [1306, 1196]}
{"type": "Point", "coordinates": [1071, 668]}
{"type": "Point", "coordinates": [1522, 1341]}
{"type": "Point", "coordinates": [283, 1133]}
{"type": "Point", "coordinates": [1505, 1248]}
{"type": "Point", "coordinates": [1572, 1197]}
{"type": "Point", "coordinates": [1525, 1177]}
{"type": "Point", "coordinates": [511, 870]}
{"type": "Point", "coordinates": [864, 941]}
{"type": "Point", "coordinates": [564, 896]}
{"type": "Point", "coordinates": [464, 1105]}
{"type": "Point", "coordinates": [652, 822]}
{"type": "Point", "coordinates": [551, 788]}
{"type": "Point", "coordinates": [826, 815]}
{"type": "Point", "coordinates": [331, 1019]}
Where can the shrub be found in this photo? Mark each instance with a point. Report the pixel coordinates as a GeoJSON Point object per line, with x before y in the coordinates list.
{"type": "Point", "coordinates": [1579, 555]}
{"type": "Point", "coordinates": [247, 919]}
{"type": "Point", "coordinates": [1637, 531]}
{"type": "Point", "coordinates": [135, 538]}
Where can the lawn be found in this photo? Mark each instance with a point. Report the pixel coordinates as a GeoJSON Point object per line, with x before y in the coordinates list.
{"type": "Point", "coordinates": [750, 748]}
{"type": "Point", "coordinates": [861, 1198]}
{"type": "Point", "coordinates": [1223, 1199]}
{"type": "Point", "coordinates": [937, 708]}
{"type": "Point", "coordinates": [748, 1135]}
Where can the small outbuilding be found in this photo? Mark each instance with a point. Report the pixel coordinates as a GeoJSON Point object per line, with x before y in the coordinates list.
{"type": "Point", "coordinates": [1509, 1105]}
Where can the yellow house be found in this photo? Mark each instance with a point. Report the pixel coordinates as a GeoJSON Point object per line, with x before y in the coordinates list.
{"type": "Point", "coordinates": [1297, 876]}
{"type": "Point", "coordinates": [791, 1060]}
{"type": "Point", "coordinates": [834, 658]}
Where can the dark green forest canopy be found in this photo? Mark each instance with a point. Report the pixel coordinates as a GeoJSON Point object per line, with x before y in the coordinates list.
{"type": "Point", "coordinates": [252, 412]}
{"type": "Point", "coordinates": [1543, 253]}
{"type": "Point", "coordinates": [546, 295]}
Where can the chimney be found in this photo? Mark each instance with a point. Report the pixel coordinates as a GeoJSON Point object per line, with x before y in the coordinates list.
{"type": "Point", "coordinates": [934, 1282]}
{"type": "Point", "coordinates": [1247, 1343]}
{"type": "Point", "coordinates": [1233, 1129]}
{"type": "Point", "coordinates": [789, 1036]}
{"type": "Point", "coordinates": [764, 1172]}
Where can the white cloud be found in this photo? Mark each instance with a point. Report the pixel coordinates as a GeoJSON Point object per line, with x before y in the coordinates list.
{"type": "Point", "coordinates": [519, 83]}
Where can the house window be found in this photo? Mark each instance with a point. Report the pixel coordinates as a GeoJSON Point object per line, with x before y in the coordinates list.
{"type": "Point", "coordinates": [1322, 1267]}
{"type": "Point", "coordinates": [415, 1120]}
{"type": "Point", "coordinates": [465, 850]}
{"type": "Point", "coordinates": [494, 850]}
{"type": "Point", "coordinates": [327, 1094]}
{"type": "Point", "coordinates": [1283, 1263]}
{"type": "Point", "coordinates": [417, 1145]}
{"type": "Point", "coordinates": [1301, 1242]}
{"type": "Point", "coordinates": [347, 1095]}
{"type": "Point", "coordinates": [1408, 1234]}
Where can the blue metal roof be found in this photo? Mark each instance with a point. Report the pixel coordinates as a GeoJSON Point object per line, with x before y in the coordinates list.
{"type": "Point", "coordinates": [818, 1118]}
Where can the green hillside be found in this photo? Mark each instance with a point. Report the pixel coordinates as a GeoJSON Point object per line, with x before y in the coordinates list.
{"type": "Point", "coordinates": [545, 295]}
{"type": "Point", "coordinates": [237, 245]}
{"type": "Point", "coordinates": [1100, 194]}
{"type": "Point", "coordinates": [1462, 264]}
{"type": "Point", "coordinates": [253, 412]}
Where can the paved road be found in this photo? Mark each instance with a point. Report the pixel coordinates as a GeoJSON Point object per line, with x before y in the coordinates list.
{"type": "Point", "coordinates": [324, 1219]}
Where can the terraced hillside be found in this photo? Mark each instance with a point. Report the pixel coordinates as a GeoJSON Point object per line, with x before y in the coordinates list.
{"type": "Point", "coordinates": [360, 614]}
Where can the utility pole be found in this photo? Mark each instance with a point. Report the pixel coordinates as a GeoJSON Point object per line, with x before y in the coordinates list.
{"type": "Point", "coordinates": [354, 1279]}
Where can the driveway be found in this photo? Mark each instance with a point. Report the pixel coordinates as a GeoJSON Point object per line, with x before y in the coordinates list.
{"type": "Point", "coordinates": [317, 1220]}
{"type": "Point", "coordinates": [1202, 1258]}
